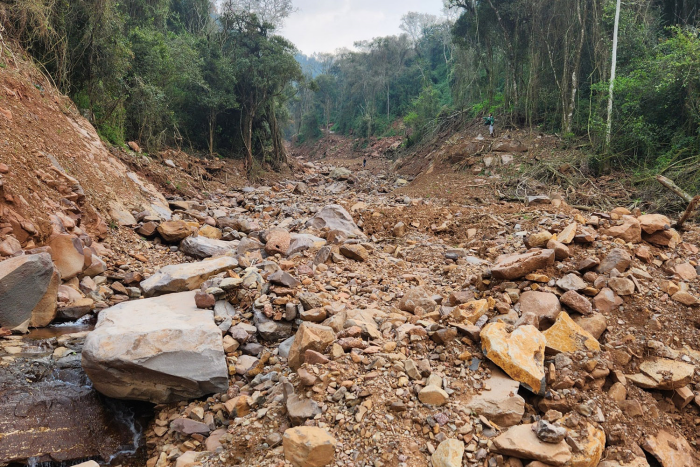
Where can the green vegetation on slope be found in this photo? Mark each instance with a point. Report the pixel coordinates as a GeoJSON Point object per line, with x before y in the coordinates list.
{"type": "Point", "coordinates": [534, 63]}
{"type": "Point", "coordinates": [168, 72]}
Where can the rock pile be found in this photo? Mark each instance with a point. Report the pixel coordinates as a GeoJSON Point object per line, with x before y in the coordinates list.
{"type": "Point", "coordinates": [309, 337]}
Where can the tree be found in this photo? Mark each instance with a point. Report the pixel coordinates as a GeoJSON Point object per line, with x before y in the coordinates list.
{"type": "Point", "coordinates": [612, 75]}
{"type": "Point", "coordinates": [263, 67]}
{"type": "Point", "coordinates": [273, 12]}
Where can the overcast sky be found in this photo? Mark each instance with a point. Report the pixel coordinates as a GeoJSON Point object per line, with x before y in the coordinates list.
{"type": "Point", "coordinates": [327, 25]}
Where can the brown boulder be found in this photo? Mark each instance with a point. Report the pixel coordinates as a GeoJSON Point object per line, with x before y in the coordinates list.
{"type": "Point", "coordinates": [278, 241]}
{"type": "Point", "coordinates": [671, 450]}
{"type": "Point", "coordinates": [617, 259]}
{"type": "Point", "coordinates": [577, 302]}
{"type": "Point", "coordinates": [10, 247]}
{"type": "Point", "coordinates": [630, 230]}
{"type": "Point", "coordinates": [606, 300]}
{"type": "Point", "coordinates": [174, 231]}
{"type": "Point", "coordinates": [662, 373]}
{"type": "Point", "coordinates": [652, 223]}
{"type": "Point", "coordinates": [595, 324]}
{"type": "Point", "coordinates": [538, 239]}
{"type": "Point", "coordinates": [417, 297]}
{"type": "Point", "coordinates": [669, 238]}
{"type": "Point", "coordinates": [309, 336]}
{"type": "Point", "coordinates": [561, 251]}
{"type": "Point", "coordinates": [543, 304]}
{"type": "Point", "coordinates": [148, 229]}
{"type": "Point", "coordinates": [521, 441]}
{"type": "Point", "coordinates": [68, 255]}
{"type": "Point", "coordinates": [354, 251]}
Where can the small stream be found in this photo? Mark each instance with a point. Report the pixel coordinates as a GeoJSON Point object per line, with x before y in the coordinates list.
{"type": "Point", "coordinates": [38, 391]}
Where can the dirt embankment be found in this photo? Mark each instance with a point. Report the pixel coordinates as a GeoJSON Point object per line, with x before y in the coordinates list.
{"type": "Point", "coordinates": [54, 164]}
{"type": "Point", "coordinates": [466, 166]}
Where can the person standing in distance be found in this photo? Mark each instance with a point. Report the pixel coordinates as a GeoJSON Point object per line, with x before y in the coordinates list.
{"type": "Point", "coordinates": [490, 122]}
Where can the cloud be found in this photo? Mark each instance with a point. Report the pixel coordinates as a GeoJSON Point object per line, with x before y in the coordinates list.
{"type": "Point", "coordinates": [327, 25]}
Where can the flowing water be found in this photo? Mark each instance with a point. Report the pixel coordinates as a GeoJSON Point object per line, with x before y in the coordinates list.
{"type": "Point", "coordinates": [124, 421]}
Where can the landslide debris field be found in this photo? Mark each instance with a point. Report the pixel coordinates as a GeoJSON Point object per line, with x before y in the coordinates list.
{"type": "Point", "coordinates": [353, 325]}
{"type": "Point", "coordinates": [407, 314]}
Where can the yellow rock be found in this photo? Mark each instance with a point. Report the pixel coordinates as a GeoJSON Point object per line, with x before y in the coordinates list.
{"type": "Point", "coordinates": [471, 311]}
{"type": "Point", "coordinates": [567, 235]}
{"type": "Point", "coordinates": [592, 445]}
{"type": "Point", "coordinates": [308, 446]}
{"type": "Point", "coordinates": [537, 278]}
{"type": "Point", "coordinates": [519, 353]}
{"type": "Point", "coordinates": [210, 232]}
{"type": "Point", "coordinates": [538, 239]}
{"type": "Point", "coordinates": [567, 336]}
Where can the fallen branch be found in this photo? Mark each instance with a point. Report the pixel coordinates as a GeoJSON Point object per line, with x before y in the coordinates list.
{"type": "Point", "coordinates": [678, 191]}
{"type": "Point", "coordinates": [688, 212]}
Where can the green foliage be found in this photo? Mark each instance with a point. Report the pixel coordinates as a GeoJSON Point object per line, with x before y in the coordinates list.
{"type": "Point", "coordinates": [167, 71]}
{"type": "Point", "coordinates": [310, 128]}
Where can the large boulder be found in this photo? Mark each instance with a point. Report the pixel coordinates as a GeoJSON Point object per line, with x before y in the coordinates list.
{"type": "Point", "coordinates": [278, 241]}
{"type": "Point", "coordinates": [630, 230]}
{"type": "Point", "coordinates": [617, 259]}
{"type": "Point", "coordinates": [662, 373]}
{"type": "Point", "coordinates": [174, 231]}
{"type": "Point", "coordinates": [652, 223]}
{"type": "Point", "coordinates": [567, 336]}
{"type": "Point", "coordinates": [203, 247]}
{"type": "Point", "coordinates": [509, 145]}
{"type": "Point", "coordinates": [417, 297]}
{"type": "Point", "coordinates": [448, 454]}
{"type": "Point", "coordinates": [335, 217]}
{"type": "Point", "coordinates": [340, 173]}
{"type": "Point", "coordinates": [543, 304]}
{"type": "Point", "coordinates": [28, 291]}
{"type": "Point", "coordinates": [187, 276]}
{"type": "Point", "coordinates": [670, 450]}
{"type": "Point", "coordinates": [519, 353]}
{"type": "Point", "coordinates": [68, 254]}
{"type": "Point", "coordinates": [159, 350]}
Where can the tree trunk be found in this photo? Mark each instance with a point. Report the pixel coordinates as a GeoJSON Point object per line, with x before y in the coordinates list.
{"type": "Point", "coordinates": [212, 128]}
{"type": "Point", "coordinates": [248, 141]}
{"type": "Point", "coordinates": [388, 114]}
{"type": "Point", "coordinates": [613, 66]}
{"type": "Point", "coordinates": [568, 127]}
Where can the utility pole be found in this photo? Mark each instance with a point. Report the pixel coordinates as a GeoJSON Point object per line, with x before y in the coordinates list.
{"type": "Point", "coordinates": [612, 76]}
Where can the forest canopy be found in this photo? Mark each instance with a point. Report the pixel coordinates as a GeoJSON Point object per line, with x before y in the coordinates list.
{"type": "Point", "coordinates": [533, 63]}
{"type": "Point", "coordinates": [218, 78]}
